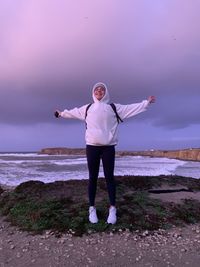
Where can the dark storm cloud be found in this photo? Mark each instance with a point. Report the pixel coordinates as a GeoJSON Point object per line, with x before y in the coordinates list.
{"type": "Point", "coordinates": [180, 112]}
{"type": "Point", "coordinates": [53, 53]}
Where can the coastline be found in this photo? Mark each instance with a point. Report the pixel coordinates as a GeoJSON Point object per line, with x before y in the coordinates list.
{"type": "Point", "coordinates": [191, 154]}
{"type": "Point", "coordinates": [66, 167]}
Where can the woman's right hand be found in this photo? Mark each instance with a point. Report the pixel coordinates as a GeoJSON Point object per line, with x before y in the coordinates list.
{"type": "Point", "coordinates": [57, 114]}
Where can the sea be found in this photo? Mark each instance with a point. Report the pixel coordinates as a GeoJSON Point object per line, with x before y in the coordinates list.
{"type": "Point", "coordinates": [16, 168]}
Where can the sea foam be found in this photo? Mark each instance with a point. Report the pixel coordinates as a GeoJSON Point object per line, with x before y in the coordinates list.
{"type": "Point", "coordinates": [17, 168]}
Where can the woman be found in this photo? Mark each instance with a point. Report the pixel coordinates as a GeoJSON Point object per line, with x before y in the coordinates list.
{"type": "Point", "coordinates": [101, 138]}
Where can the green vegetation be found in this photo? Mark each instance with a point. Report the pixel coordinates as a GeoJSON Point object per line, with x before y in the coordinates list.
{"type": "Point", "coordinates": [62, 206]}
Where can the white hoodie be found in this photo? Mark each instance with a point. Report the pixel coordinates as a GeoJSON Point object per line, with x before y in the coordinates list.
{"type": "Point", "coordinates": [101, 120]}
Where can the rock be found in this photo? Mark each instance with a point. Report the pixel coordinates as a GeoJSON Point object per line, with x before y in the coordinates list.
{"type": "Point", "coordinates": [62, 151]}
{"type": "Point", "coordinates": [18, 255]}
{"type": "Point", "coordinates": [30, 187]}
{"type": "Point", "coordinates": [1, 190]}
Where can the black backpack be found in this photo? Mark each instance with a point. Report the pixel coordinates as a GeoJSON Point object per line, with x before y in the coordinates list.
{"type": "Point", "coordinates": [112, 106]}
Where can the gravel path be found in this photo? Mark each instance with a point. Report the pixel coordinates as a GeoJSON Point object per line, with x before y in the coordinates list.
{"type": "Point", "coordinates": [175, 247]}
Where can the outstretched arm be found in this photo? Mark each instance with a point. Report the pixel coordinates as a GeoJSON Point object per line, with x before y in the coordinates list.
{"type": "Point", "coordinates": [75, 113]}
{"type": "Point", "coordinates": [127, 111]}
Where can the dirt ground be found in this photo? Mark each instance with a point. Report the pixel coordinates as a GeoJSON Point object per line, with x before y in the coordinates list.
{"type": "Point", "coordinates": [175, 247]}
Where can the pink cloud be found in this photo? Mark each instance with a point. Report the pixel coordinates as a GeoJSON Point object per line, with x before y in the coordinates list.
{"type": "Point", "coordinates": [51, 31]}
{"type": "Point", "coordinates": [63, 38]}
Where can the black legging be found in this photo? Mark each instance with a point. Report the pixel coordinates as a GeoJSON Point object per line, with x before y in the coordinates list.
{"type": "Point", "coordinates": [107, 154]}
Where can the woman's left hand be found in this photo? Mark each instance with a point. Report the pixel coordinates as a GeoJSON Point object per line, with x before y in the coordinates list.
{"type": "Point", "coordinates": [151, 99]}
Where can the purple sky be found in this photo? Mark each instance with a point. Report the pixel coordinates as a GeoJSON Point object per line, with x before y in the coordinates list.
{"type": "Point", "coordinates": [53, 51]}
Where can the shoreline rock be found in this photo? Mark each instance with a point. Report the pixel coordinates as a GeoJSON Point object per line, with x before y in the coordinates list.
{"type": "Point", "coordinates": [62, 151]}
{"type": "Point", "coordinates": [192, 154]}
{"type": "Point", "coordinates": [62, 206]}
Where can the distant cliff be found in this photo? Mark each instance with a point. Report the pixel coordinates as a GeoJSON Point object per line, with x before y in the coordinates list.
{"type": "Point", "coordinates": [62, 151]}
{"type": "Point", "coordinates": [184, 154]}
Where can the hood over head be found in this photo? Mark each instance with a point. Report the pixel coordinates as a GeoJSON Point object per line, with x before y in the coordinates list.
{"type": "Point", "coordinates": [106, 97]}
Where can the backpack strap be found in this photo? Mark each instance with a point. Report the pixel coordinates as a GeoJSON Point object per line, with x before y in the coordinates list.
{"type": "Point", "coordinates": [115, 110]}
{"type": "Point", "coordinates": [86, 111]}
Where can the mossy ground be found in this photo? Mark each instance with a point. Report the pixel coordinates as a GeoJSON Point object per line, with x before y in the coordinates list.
{"type": "Point", "coordinates": [63, 206]}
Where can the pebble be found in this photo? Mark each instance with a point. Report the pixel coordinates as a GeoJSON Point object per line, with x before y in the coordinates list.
{"type": "Point", "coordinates": [18, 255]}
{"type": "Point", "coordinates": [183, 250]}
{"type": "Point", "coordinates": [138, 258]}
{"type": "Point", "coordinates": [89, 260]}
{"type": "Point", "coordinates": [61, 241]}
{"type": "Point", "coordinates": [145, 233]}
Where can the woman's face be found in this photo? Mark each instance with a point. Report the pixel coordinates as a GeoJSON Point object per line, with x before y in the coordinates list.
{"type": "Point", "coordinates": [99, 92]}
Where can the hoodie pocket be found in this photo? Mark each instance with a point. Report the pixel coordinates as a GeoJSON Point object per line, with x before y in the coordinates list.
{"type": "Point", "coordinates": [98, 137]}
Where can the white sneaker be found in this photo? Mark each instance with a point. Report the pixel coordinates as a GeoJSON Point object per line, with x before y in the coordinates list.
{"type": "Point", "coordinates": [93, 215]}
{"type": "Point", "coordinates": [112, 218]}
